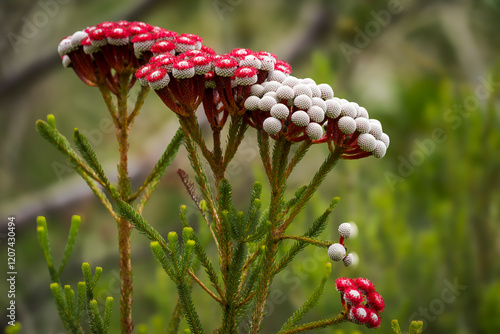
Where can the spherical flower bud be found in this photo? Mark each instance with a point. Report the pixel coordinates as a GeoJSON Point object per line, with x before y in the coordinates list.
{"type": "Point", "coordinates": [285, 93]}
{"type": "Point", "coordinates": [375, 301]}
{"type": "Point", "coordinates": [314, 90]}
{"type": "Point", "coordinates": [380, 149]}
{"type": "Point", "coordinates": [291, 81]}
{"type": "Point", "coordinates": [336, 251]}
{"type": "Point", "coordinates": [362, 125]}
{"type": "Point", "coordinates": [376, 129]}
{"type": "Point", "coordinates": [118, 36]}
{"type": "Point", "coordinates": [252, 103]}
{"type": "Point", "coordinates": [98, 37]}
{"type": "Point", "coordinates": [348, 260]}
{"type": "Point", "coordinates": [316, 114]}
{"type": "Point", "coordinates": [209, 80]}
{"type": "Point", "coordinates": [366, 142]}
{"type": "Point", "coordinates": [300, 118]}
{"type": "Point", "coordinates": [283, 66]}
{"type": "Point", "coordinates": [164, 35]}
{"type": "Point", "coordinates": [158, 78]}
{"type": "Point", "coordinates": [142, 73]}
{"type": "Point", "coordinates": [271, 125]}
{"type": "Point", "coordinates": [364, 284]}
{"type": "Point", "coordinates": [349, 110]}
{"type": "Point", "coordinates": [66, 61]}
{"type": "Point", "coordinates": [184, 43]}
{"type": "Point", "coordinates": [318, 101]}
{"type": "Point", "coordinates": [345, 230]}
{"type": "Point", "coordinates": [77, 38]}
{"type": "Point", "coordinates": [202, 64]}
{"type": "Point", "coordinates": [385, 138]}
{"type": "Point", "coordinates": [358, 315]}
{"type": "Point", "coordinates": [240, 53]}
{"type": "Point", "coordinates": [198, 40]}
{"type": "Point", "coordinates": [315, 132]}
{"type": "Point", "coordinates": [193, 53]}
{"type": "Point", "coordinates": [143, 42]}
{"type": "Point", "coordinates": [353, 296]}
{"type": "Point", "coordinates": [302, 89]}
{"type": "Point", "coordinates": [276, 76]}
{"type": "Point", "coordinates": [326, 91]}
{"type": "Point", "coordinates": [362, 112]}
{"type": "Point", "coordinates": [280, 111]}
{"type": "Point", "coordinates": [332, 108]}
{"type": "Point", "coordinates": [266, 63]}
{"type": "Point", "coordinates": [183, 69]}
{"type": "Point", "coordinates": [257, 90]}
{"type": "Point", "coordinates": [373, 319]}
{"type": "Point", "coordinates": [88, 48]}
{"type": "Point", "coordinates": [167, 62]}
{"type": "Point", "coordinates": [251, 61]}
{"type": "Point", "coordinates": [308, 81]}
{"type": "Point", "coordinates": [207, 50]}
{"type": "Point", "coordinates": [347, 125]}
{"type": "Point", "coordinates": [163, 47]}
{"type": "Point", "coordinates": [342, 284]}
{"type": "Point", "coordinates": [271, 86]}
{"type": "Point", "coordinates": [65, 46]}
{"type": "Point", "coordinates": [266, 103]}
{"type": "Point", "coordinates": [268, 54]}
{"type": "Point", "coordinates": [225, 67]}
{"type": "Point", "coordinates": [246, 76]}
{"type": "Point", "coordinates": [272, 94]}
{"type": "Point", "coordinates": [303, 102]}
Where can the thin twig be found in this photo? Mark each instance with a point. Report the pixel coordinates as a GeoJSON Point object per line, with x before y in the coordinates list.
{"type": "Point", "coordinates": [204, 287]}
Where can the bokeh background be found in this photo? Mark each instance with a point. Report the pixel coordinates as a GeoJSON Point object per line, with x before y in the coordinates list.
{"type": "Point", "coordinates": [427, 214]}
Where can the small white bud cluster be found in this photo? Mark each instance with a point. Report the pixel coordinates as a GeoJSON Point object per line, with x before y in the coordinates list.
{"type": "Point", "coordinates": [305, 102]}
{"type": "Point", "coordinates": [337, 251]}
{"type": "Point", "coordinates": [310, 106]}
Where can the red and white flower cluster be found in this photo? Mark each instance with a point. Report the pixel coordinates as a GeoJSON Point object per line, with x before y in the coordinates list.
{"type": "Point", "coordinates": [221, 82]}
{"type": "Point", "coordinates": [299, 109]}
{"type": "Point", "coordinates": [120, 46]}
{"type": "Point", "coordinates": [363, 303]}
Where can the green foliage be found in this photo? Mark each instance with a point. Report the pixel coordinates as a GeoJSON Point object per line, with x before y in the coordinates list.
{"type": "Point", "coordinates": [309, 304]}
{"type": "Point", "coordinates": [416, 327]}
{"type": "Point", "coordinates": [70, 306]}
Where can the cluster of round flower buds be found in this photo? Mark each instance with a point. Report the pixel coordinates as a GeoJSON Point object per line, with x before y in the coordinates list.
{"type": "Point", "coordinates": [221, 82]}
{"type": "Point", "coordinates": [256, 85]}
{"type": "Point", "coordinates": [121, 46]}
{"type": "Point", "coordinates": [299, 109]}
{"type": "Point", "coordinates": [337, 251]}
{"type": "Point", "coordinates": [363, 304]}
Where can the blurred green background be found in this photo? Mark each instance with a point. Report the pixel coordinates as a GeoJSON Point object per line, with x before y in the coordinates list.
{"type": "Point", "coordinates": [427, 213]}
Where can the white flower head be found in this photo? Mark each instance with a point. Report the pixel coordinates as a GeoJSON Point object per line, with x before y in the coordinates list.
{"type": "Point", "coordinates": [314, 131]}
{"type": "Point", "coordinates": [347, 125]}
{"type": "Point", "coordinates": [326, 91]}
{"type": "Point", "coordinates": [336, 252]}
{"type": "Point", "coordinates": [345, 230]}
{"type": "Point", "coordinates": [280, 111]}
{"type": "Point", "coordinates": [316, 114]}
{"type": "Point", "coordinates": [271, 125]}
{"type": "Point", "coordinates": [333, 108]}
{"type": "Point", "coordinates": [300, 118]}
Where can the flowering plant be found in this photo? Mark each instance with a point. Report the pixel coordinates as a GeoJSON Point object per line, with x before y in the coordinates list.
{"type": "Point", "coordinates": [235, 91]}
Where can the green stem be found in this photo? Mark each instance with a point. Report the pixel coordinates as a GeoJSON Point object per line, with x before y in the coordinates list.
{"type": "Point", "coordinates": [311, 241]}
{"type": "Point", "coordinates": [124, 227]}
{"type": "Point", "coordinates": [318, 324]}
{"type": "Point", "coordinates": [318, 178]}
{"type": "Point", "coordinates": [277, 182]}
